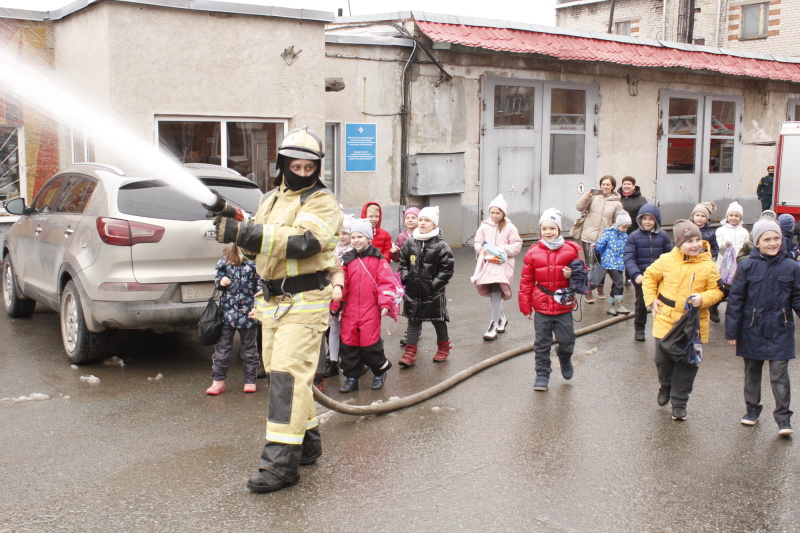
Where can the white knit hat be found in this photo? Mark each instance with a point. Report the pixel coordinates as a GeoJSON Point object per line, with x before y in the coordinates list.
{"type": "Point", "coordinates": [553, 215]}
{"type": "Point", "coordinates": [735, 207]}
{"type": "Point", "coordinates": [430, 212]}
{"type": "Point", "coordinates": [347, 224]}
{"type": "Point", "coordinates": [500, 203]}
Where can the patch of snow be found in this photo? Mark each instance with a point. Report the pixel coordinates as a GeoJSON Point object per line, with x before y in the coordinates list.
{"type": "Point", "coordinates": [90, 379]}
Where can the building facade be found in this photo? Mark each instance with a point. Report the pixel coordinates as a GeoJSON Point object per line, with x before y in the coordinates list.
{"type": "Point", "coordinates": [769, 27]}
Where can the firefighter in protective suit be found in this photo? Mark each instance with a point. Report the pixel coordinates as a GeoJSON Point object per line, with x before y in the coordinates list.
{"type": "Point", "coordinates": [293, 235]}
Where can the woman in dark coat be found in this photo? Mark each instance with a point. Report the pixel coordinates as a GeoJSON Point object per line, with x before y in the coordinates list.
{"type": "Point", "coordinates": [759, 321]}
{"type": "Point", "coordinates": [632, 200]}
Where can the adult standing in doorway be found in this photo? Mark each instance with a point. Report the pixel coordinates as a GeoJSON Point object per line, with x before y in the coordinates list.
{"type": "Point", "coordinates": [632, 200]}
{"type": "Point", "coordinates": [765, 187]}
{"type": "Point", "coordinates": [601, 206]}
{"type": "Point", "coordinates": [294, 233]}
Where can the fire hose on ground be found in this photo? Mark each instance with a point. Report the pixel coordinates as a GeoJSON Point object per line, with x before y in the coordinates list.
{"type": "Point", "coordinates": [408, 401]}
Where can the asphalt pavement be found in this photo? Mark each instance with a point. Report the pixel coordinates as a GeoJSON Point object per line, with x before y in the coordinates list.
{"type": "Point", "coordinates": [144, 449]}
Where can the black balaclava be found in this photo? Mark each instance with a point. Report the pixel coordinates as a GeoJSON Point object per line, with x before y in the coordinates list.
{"type": "Point", "coordinates": [293, 181]}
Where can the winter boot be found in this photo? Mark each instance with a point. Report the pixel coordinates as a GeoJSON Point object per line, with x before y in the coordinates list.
{"type": "Point", "coordinates": [601, 292]}
{"type": "Point", "coordinates": [502, 323]}
{"type": "Point", "coordinates": [331, 369]}
{"type": "Point", "coordinates": [713, 313]}
{"type": "Point", "coordinates": [216, 388]}
{"type": "Point", "coordinates": [409, 358]}
{"type": "Point", "coordinates": [441, 354]}
{"type": "Point", "coordinates": [318, 382]}
{"type": "Point", "coordinates": [491, 333]}
{"type": "Point", "coordinates": [621, 309]}
{"type": "Point", "coordinates": [541, 382]}
{"type": "Point", "coordinates": [350, 385]}
{"type": "Point", "coordinates": [612, 306]}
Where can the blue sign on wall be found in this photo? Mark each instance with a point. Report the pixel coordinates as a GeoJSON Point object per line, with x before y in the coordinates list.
{"type": "Point", "coordinates": [360, 148]}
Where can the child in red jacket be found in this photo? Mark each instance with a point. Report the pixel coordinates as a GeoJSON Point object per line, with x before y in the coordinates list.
{"type": "Point", "coordinates": [546, 270]}
{"type": "Point", "coordinates": [381, 239]}
{"type": "Point", "coordinates": [369, 292]}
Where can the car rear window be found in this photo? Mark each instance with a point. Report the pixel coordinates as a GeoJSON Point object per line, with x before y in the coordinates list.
{"type": "Point", "coordinates": [156, 199]}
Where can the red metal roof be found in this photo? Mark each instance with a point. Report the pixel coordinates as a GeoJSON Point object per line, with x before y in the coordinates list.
{"type": "Point", "coordinates": [569, 47]}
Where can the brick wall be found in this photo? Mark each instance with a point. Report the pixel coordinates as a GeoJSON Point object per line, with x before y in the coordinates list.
{"type": "Point", "coordinates": [709, 26]}
{"type": "Point", "coordinates": [31, 42]}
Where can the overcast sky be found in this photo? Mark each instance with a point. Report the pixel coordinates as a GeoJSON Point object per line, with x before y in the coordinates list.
{"type": "Point", "coordinates": [532, 11]}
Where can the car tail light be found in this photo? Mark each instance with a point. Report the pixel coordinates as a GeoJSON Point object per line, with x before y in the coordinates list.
{"type": "Point", "coordinates": [117, 232]}
{"type": "Point", "coordinates": [133, 287]}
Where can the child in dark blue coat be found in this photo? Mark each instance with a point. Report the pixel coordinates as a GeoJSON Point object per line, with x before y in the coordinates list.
{"type": "Point", "coordinates": [759, 321]}
{"type": "Point", "coordinates": [644, 246]}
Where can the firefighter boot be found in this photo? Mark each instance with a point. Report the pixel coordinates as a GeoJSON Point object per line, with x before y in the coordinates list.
{"type": "Point", "coordinates": [278, 468]}
{"type": "Point", "coordinates": [409, 356]}
{"type": "Point", "coordinates": [441, 354]}
{"type": "Point", "coordinates": [312, 447]}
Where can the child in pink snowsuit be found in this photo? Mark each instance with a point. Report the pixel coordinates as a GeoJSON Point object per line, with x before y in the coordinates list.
{"type": "Point", "coordinates": [369, 293]}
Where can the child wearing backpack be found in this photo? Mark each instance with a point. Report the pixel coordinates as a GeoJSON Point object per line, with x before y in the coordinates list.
{"type": "Point", "coordinates": [493, 278]}
{"type": "Point", "coordinates": [426, 266]}
{"type": "Point", "coordinates": [759, 321]}
{"type": "Point", "coordinates": [644, 246]}
{"type": "Point", "coordinates": [686, 272]}
{"type": "Point", "coordinates": [611, 248]}
{"type": "Point", "coordinates": [546, 269]}
{"type": "Point", "coordinates": [237, 278]}
{"type": "Point", "coordinates": [368, 295]}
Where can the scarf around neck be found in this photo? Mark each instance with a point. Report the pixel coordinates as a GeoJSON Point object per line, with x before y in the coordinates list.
{"type": "Point", "coordinates": [425, 236]}
{"type": "Point", "coordinates": [555, 244]}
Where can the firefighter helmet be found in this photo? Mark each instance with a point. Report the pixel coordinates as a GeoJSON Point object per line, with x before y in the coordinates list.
{"type": "Point", "coordinates": [301, 143]}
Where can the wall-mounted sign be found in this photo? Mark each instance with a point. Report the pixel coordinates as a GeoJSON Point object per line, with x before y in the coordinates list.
{"type": "Point", "coordinates": [360, 148]}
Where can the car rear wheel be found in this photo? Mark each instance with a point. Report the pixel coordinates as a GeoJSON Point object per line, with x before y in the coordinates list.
{"type": "Point", "coordinates": [82, 346]}
{"type": "Point", "coordinates": [15, 305]}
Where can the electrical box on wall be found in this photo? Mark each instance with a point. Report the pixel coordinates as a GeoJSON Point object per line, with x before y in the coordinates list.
{"type": "Point", "coordinates": [436, 174]}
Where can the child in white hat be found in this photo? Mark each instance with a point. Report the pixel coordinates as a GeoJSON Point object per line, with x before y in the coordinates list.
{"type": "Point", "coordinates": [493, 272]}
{"type": "Point", "coordinates": [731, 233]}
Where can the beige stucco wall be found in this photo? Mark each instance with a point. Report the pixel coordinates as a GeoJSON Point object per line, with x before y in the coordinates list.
{"type": "Point", "coordinates": [372, 94]}
{"type": "Point", "coordinates": [144, 61]}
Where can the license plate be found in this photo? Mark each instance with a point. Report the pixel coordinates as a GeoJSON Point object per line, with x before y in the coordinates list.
{"type": "Point", "coordinates": [196, 292]}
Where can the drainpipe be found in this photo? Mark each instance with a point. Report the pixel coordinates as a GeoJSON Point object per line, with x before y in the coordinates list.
{"type": "Point", "coordinates": [690, 39]}
{"type": "Point", "coordinates": [405, 119]}
{"type": "Point", "coordinates": [611, 16]}
{"type": "Point", "coordinates": [664, 21]}
{"type": "Point", "coordinates": [719, 22]}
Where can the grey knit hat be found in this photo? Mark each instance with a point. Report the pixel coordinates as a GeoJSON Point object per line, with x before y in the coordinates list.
{"type": "Point", "coordinates": [762, 226]}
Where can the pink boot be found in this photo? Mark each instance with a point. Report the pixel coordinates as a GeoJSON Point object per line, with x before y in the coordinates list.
{"type": "Point", "coordinates": [216, 388]}
{"type": "Point", "coordinates": [443, 351]}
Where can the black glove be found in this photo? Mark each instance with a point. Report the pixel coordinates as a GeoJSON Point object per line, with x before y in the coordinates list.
{"type": "Point", "coordinates": [227, 229]}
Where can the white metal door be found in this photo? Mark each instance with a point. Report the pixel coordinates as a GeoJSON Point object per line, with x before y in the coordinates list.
{"type": "Point", "coordinates": [698, 155]}
{"type": "Point", "coordinates": [512, 128]}
{"type": "Point", "coordinates": [680, 142]}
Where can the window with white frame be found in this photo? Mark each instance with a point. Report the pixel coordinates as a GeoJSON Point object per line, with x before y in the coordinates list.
{"type": "Point", "coordinates": [623, 28]}
{"type": "Point", "coordinates": [793, 110]}
{"type": "Point", "coordinates": [330, 169]}
{"type": "Point", "coordinates": [248, 146]}
{"type": "Point", "coordinates": [82, 147]}
{"type": "Point", "coordinates": [755, 20]}
{"type": "Point", "coordinates": [9, 162]}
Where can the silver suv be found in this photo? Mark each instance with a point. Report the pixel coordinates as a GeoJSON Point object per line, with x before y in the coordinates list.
{"type": "Point", "coordinates": [109, 251]}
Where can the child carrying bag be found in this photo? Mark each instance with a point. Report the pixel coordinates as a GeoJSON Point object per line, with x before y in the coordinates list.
{"type": "Point", "coordinates": [682, 342]}
{"type": "Point", "coordinates": [210, 324]}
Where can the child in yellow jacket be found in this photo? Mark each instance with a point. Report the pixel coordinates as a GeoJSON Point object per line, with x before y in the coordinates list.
{"type": "Point", "coordinates": [686, 272]}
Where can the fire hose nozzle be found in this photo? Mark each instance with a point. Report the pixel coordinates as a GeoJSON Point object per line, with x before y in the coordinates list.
{"type": "Point", "coordinates": [222, 207]}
